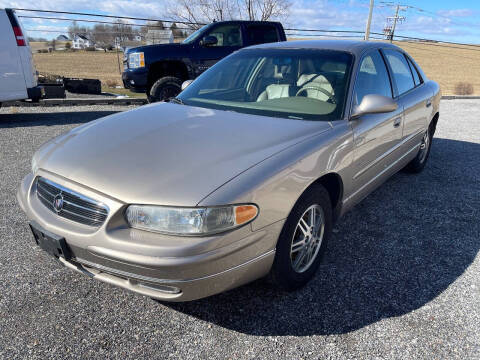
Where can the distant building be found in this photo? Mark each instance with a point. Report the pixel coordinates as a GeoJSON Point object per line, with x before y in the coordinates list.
{"type": "Point", "coordinates": [159, 37]}
{"type": "Point", "coordinates": [62, 38]}
{"type": "Point", "coordinates": [81, 42]}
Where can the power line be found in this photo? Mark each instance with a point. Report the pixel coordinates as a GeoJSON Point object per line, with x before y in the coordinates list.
{"type": "Point", "coordinates": [95, 21]}
{"type": "Point", "coordinates": [196, 24]}
{"type": "Point", "coordinates": [325, 30]}
{"type": "Point", "coordinates": [452, 21]}
{"type": "Point", "coordinates": [152, 26]}
{"type": "Point", "coordinates": [107, 16]}
{"type": "Point", "coordinates": [81, 32]}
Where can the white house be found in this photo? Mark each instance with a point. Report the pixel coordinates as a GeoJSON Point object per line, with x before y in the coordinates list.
{"type": "Point", "coordinates": [159, 37]}
{"type": "Point", "coordinates": [81, 42]}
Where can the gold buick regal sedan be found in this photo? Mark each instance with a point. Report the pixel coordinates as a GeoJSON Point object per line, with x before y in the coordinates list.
{"type": "Point", "coordinates": [241, 176]}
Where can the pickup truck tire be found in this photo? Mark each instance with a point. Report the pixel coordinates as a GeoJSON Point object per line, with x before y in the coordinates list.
{"type": "Point", "coordinates": [164, 89]}
{"type": "Point", "coordinates": [287, 273]}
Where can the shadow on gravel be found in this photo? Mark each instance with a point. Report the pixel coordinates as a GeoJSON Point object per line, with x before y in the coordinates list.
{"type": "Point", "coordinates": [49, 118]}
{"type": "Point", "coordinates": [392, 254]}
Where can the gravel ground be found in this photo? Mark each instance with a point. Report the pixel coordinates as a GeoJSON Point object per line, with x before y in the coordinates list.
{"type": "Point", "coordinates": [400, 279]}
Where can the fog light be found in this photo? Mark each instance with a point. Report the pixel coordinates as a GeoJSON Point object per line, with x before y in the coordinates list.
{"type": "Point", "coordinates": [162, 288]}
{"type": "Point", "coordinates": [132, 82]}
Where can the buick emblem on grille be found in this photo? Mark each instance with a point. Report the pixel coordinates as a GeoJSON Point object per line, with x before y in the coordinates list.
{"type": "Point", "coordinates": [58, 202]}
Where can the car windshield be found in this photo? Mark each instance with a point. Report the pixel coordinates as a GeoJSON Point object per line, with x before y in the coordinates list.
{"type": "Point", "coordinates": [305, 84]}
{"type": "Point", "coordinates": [194, 36]}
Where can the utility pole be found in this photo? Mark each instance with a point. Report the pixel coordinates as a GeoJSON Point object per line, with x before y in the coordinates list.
{"type": "Point", "coordinates": [369, 21]}
{"type": "Point", "coordinates": [395, 18]}
{"type": "Point", "coordinates": [394, 22]}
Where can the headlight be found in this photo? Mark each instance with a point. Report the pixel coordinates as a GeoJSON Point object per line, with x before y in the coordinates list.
{"type": "Point", "coordinates": [190, 221]}
{"type": "Point", "coordinates": [136, 60]}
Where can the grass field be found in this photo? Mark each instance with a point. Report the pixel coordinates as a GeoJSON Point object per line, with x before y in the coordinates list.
{"type": "Point", "coordinates": [446, 64]}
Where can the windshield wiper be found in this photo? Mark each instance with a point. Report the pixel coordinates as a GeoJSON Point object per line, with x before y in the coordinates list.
{"type": "Point", "coordinates": [176, 100]}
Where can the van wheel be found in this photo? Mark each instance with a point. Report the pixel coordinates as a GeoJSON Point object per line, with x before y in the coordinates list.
{"type": "Point", "coordinates": [303, 240]}
{"type": "Point", "coordinates": [164, 89]}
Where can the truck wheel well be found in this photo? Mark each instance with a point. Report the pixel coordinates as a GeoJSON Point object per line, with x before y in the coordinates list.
{"type": "Point", "coordinates": [333, 183]}
{"type": "Point", "coordinates": [167, 68]}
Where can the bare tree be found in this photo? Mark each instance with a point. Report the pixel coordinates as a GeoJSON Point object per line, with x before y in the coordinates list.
{"type": "Point", "coordinates": [264, 9]}
{"type": "Point", "coordinates": [204, 11]}
{"type": "Point", "coordinates": [75, 29]}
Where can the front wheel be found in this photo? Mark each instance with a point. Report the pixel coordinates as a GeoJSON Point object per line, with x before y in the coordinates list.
{"type": "Point", "coordinates": [164, 89]}
{"type": "Point", "coordinates": [303, 240]}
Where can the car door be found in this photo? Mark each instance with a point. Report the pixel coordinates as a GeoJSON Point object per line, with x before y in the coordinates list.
{"type": "Point", "coordinates": [411, 95]}
{"type": "Point", "coordinates": [376, 136]}
{"type": "Point", "coordinates": [229, 39]}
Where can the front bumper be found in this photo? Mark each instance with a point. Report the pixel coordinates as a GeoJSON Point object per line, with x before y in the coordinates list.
{"type": "Point", "coordinates": [135, 79]}
{"type": "Point", "coordinates": [162, 267]}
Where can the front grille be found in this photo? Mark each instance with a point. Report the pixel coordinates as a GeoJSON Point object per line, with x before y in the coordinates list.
{"type": "Point", "coordinates": [70, 204]}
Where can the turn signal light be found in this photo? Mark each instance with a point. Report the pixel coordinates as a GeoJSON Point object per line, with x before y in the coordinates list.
{"type": "Point", "coordinates": [245, 213]}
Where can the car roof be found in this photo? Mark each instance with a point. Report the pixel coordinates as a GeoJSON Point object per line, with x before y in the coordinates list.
{"type": "Point", "coordinates": [353, 46]}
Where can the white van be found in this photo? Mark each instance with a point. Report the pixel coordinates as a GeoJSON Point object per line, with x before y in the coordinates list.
{"type": "Point", "coordinates": [18, 77]}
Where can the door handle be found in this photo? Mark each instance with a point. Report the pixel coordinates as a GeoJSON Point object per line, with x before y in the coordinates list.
{"type": "Point", "coordinates": [429, 103]}
{"type": "Point", "coordinates": [397, 122]}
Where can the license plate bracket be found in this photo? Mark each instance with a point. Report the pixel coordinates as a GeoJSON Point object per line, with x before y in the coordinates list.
{"type": "Point", "coordinates": [49, 242]}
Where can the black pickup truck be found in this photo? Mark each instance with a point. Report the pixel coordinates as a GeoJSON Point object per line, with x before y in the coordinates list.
{"type": "Point", "coordinates": [160, 70]}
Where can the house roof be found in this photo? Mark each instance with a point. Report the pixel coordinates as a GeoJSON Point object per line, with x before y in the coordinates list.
{"type": "Point", "coordinates": [82, 37]}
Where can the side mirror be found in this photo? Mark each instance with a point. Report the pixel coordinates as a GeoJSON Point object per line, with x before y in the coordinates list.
{"type": "Point", "coordinates": [374, 104]}
{"type": "Point", "coordinates": [186, 83]}
{"type": "Point", "coordinates": [209, 41]}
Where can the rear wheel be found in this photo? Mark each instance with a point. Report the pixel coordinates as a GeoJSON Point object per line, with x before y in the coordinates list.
{"type": "Point", "coordinates": [164, 89]}
{"type": "Point", "coordinates": [303, 240]}
{"type": "Point", "coordinates": [419, 162]}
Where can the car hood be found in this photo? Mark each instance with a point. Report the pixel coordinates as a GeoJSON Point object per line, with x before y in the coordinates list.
{"type": "Point", "coordinates": [168, 154]}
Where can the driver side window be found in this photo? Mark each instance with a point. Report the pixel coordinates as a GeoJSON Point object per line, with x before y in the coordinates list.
{"type": "Point", "coordinates": [227, 35]}
{"type": "Point", "coordinates": [372, 77]}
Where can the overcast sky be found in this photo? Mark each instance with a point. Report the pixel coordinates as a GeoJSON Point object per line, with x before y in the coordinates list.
{"type": "Point", "coordinates": [433, 19]}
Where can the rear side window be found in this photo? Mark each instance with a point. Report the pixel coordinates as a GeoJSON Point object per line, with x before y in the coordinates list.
{"type": "Point", "coordinates": [227, 35]}
{"type": "Point", "coordinates": [416, 76]}
{"type": "Point", "coordinates": [372, 77]}
{"type": "Point", "coordinates": [401, 70]}
{"type": "Point", "coordinates": [260, 34]}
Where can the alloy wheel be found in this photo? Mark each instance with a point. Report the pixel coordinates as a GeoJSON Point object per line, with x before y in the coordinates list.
{"type": "Point", "coordinates": [424, 145]}
{"type": "Point", "coordinates": [307, 238]}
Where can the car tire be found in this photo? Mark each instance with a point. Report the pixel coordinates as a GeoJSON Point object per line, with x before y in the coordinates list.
{"type": "Point", "coordinates": [418, 163]}
{"type": "Point", "coordinates": [164, 89]}
{"type": "Point", "coordinates": [287, 272]}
